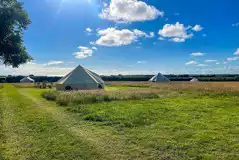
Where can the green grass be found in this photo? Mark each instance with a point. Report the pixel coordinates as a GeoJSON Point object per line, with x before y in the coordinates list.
{"type": "Point", "coordinates": [29, 133]}
{"type": "Point", "coordinates": [88, 97]}
{"type": "Point", "coordinates": [191, 123]}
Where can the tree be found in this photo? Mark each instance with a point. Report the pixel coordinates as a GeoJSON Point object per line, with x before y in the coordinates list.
{"type": "Point", "coordinates": [13, 21]}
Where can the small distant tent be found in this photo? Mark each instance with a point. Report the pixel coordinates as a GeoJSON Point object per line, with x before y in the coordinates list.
{"type": "Point", "coordinates": [159, 78]}
{"type": "Point", "coordinates": [80, 79]}
{"type": "Point", "coordinates": [27, 80]}
{"type": "Point", "coordinates": [194, 80]}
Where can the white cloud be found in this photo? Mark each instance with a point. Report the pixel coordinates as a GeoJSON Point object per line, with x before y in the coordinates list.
{"type": "Point", "coordinates": [124, 11]}
{"type": "Point", "coordinates": [237, 52]}
{"type": "Point", "coordinates": [92, 43]}
{"type": "Point", "coordinates": [35, 69]}
{"type": "Point", "coordinates": [218, 63]}
{"type": "Point", "coordinates": [179, 40]}
{"type": "Point", "coordinates": [151, 34]}
{"type": "Point", "coordinates": [202, 65]}
{"type": "Point", "coordinates": [88, 30]}
{"type": "Point", "coordinates": [235, 24]}
{"type": "Point", "coordinates": [210, 60]}
{"type": "Point", "coordinates": [233, 58]}
{"type": "Point", "coordinates": [53, 63]}
{"type": "Point", "coordinates": [191, 63]}
{"type": "Point", "coordinates": [83, 53]}
{"type": "Point", "coordinates": [176, 32]}
{"type": "Point", "coordinates": [197, 54]}
{"type": "Point", "coordinates": [142, 62]}
{"type": "Point", "coordinates": [94, 48]}
{"type": "Point", "coordinates": [31, 62]}
{"type": "Point", "coordinates": [204, 35]}
{"type": "Point", "coordinates": [161, 38]}
{"type": "Point", "coordinates": [197, 28]}
{"type": "Point", "coordinates": [113, 37]}
{"type": "Point", "coordinates": [176, 14]}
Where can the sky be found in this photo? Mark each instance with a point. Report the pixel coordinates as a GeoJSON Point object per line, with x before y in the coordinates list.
{"type": "Point", "coordinates": [114, 37]}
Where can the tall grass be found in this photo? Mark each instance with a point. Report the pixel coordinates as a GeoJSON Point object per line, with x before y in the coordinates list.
{"type": "Point", "coordinates": [154, 90]}
{"type": "Point", "coordinates": [88, 97]}
{"type": "Point", "coordinates": [1, 86]}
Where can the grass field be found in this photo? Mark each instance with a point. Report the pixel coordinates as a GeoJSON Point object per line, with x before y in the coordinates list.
{"type": "Point", "coordinates": [184, 121]}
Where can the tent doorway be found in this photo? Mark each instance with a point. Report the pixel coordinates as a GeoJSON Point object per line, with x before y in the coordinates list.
{"type": "Point", "coordinates": [100, 86]}
{"type": "Point", "coordinates": [68, 88]}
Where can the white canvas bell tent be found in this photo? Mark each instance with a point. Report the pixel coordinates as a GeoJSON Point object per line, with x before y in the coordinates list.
{"type": "Point", "coordinates": [194, 80]}
{"type": "Point", "coordinates": [80, 79]}
{"type": "Point", "coordinates": [159, 78]}
{"type": "Point", "coordinates": [27, 80]}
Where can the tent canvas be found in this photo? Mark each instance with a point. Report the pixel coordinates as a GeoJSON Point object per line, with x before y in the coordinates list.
{"type": "Point", "coordinates": [194, 80]}
{"type": "Point", "coordinates": [27, 80]}
{"type": "Point", "coordinates": [159, 78]}
{"type": "Point", "coordinates": [80, 79]}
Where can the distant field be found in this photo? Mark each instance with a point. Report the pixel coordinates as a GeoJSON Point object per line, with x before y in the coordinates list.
{"type": "Point", "coordinates": [130, 120]}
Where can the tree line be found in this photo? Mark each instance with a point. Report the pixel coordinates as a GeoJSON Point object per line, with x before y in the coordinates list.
{"type": "Point", "coordinates": [184, 77]}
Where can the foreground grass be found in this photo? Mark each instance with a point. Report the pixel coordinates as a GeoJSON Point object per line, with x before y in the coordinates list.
{"type": "Point", "coordinates": [201, 123]}
{"type": "Point", "coordinates": [29, 133]}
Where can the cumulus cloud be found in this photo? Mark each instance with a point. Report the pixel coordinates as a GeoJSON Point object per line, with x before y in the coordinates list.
{"type": "Point", "coordinates": [94, 48]}
{"type": "Point", "coordinates": [124, 11]}
{"type": "Point", "coordinates": [202, 65]}
{"type": "Point", "coordinates": [88, 30]}
{"type": "Point", "coordinates": [53, 63]}
{"type": "Point", "coordinates": [197, 54]}
{"type": "Point", "coordinates": [237, 52]}
{"type": "Point", "coordinates": [176, 39]}
{"type": "Point", "coordinates": [197, 28]}
{"type": "Point", "coordinates": [83, 53]}
{"type": "Point", "coordinates": [176, 32]}
{"type": "Point", "coordinates": [210, 61]}
{"type": "Point", "coordinates": [113, 37]}
{"type": "Point", "coordinates": [233, 58]}
{"type": "Point", "coordinates": [191, 63]}
{"type": "Point", "coordinates": [36, 69]}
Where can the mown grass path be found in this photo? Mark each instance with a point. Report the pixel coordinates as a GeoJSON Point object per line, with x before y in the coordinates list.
{"type": "Point", "coordinates": [34, 129]}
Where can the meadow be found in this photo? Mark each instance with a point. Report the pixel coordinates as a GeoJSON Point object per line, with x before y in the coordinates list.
{"type": "Point", "coordinates": [129, 120]}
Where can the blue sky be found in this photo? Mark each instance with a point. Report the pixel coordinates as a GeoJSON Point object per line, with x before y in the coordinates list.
{"type": "Point", "coordinates": [132, 36]}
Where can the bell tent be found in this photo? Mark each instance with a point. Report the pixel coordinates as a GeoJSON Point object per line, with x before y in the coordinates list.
{"type": "Point", "coordinates": [80, 79]}
{"type": "Point", "coordinates": [27, 80]}
{"type": "Point", "coordinates": [194, 80]}
{"type": "Point", "coordinates": [159, 78]}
